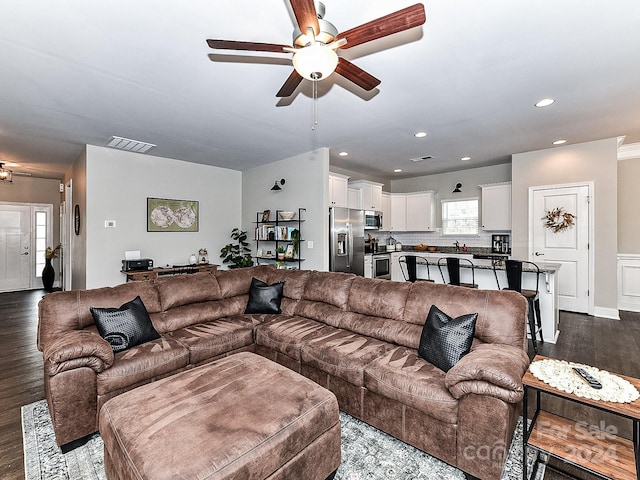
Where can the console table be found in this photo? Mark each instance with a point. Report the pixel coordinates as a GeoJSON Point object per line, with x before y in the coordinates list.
{"type": "Point", "coordinates": [596, 451]}
{"type": "Point", "coordinates": [137, 275]}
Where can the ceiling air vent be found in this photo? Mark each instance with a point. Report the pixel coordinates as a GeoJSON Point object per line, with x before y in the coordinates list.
{"type": "Point", "coordinates": [422, 159]}
{"type": "Point", "coordinates": [129, 145]}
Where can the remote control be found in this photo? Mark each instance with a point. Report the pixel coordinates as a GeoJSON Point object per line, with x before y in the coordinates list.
{"type": "Point", "coordinates": [593, 383]}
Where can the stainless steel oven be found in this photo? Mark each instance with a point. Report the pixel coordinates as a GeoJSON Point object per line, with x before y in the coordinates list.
{"type": "Point", "coordinates": [382, 266]}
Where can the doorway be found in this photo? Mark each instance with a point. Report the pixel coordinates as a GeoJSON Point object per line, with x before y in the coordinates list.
{"type": "Point", "coordinates": [25, 232]}
{"type": "Point", "coordinates": [560, 220]}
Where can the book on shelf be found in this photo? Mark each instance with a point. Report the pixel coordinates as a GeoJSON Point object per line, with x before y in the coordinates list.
{"type": "Point", "coordinates": [272, 232]}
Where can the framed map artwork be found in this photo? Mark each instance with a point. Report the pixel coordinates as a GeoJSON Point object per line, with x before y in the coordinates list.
{"type": "Point", "coordinates": [165, 215]}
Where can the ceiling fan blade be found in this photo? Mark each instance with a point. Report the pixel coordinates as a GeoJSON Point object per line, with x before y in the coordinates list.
{"type": "Point", "coordinates": [306, 15]}
{"type": "Point", "coordinates": [290, 85]}
{"type": "Point", "coordinates": [393, 23]}
{"type": "Point", "coordinates": [252, 46]}
{"type": "Point", "coordinates": [355, 74]}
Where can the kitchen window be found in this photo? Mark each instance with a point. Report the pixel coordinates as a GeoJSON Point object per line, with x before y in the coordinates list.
{"type": "Point", "coordinates": [460, 217]}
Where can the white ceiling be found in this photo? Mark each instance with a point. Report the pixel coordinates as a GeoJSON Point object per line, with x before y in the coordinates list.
{"type": "Point", "coordinates": [78, 72]}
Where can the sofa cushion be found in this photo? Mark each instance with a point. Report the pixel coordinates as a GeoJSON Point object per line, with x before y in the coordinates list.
{"type": "Point", "coordinates": [125, 326]}
{"type": "Point", "coordinates": [493, 307]}
{"type": "Point", "coordinates": [69, 310]}
{"type": "Point", "coordinates": [237, 281]}
{"type": "Point", "coordinates": [143, 363]}
{"type": "Point", "coordinates": [288, 334]}
{"type": "Point", "coordinates": [392, 331]}
{"type": "Point", "coordinates": [343, 354]}
{"type": "Point", "coordinates": [294, 281]}
{"type": "Point", "coordinates": [378, 298]}
{"type": "Point", "coordinates": [264, 298]}
{"type": "Point", "coordinates": [180, 290]}
{"type": "Point", "coordinates": [445, 340]}
{"type": "Point", "coordinates": [329, 287]}
{"type": "Point", "coordinates": [405, 377]}
{"type": "Point", "coordinates": [211, 339]}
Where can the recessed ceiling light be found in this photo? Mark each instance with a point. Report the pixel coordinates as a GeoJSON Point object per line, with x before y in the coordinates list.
{"type": "Point", "coordinates": [343, 154]}
{"type": "Point", "coordinates": [545, 102]}
{"type": "Point", "coordinates": [398, 170]}
{"type": "Point", "coordinates": [464, 159]}
{"type": "Point", "coordinates": [420, 134]}
{"type": "Point", "coordinates": [559, 142]}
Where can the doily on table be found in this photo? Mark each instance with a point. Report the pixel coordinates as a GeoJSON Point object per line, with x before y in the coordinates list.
{"type": "Point", "coordinates": [559, 374]}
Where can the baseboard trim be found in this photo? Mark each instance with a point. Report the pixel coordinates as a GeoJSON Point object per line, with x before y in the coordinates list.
{"type": "Point", "coordinates": [606, 312]}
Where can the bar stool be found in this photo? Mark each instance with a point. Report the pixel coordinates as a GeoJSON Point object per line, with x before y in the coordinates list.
{"type": "Point", "coordinates": [513, 269]}
{"type": "Point", "coordinates": [409, 268]}
{"type": "Point", "coordinates": [453, 270]}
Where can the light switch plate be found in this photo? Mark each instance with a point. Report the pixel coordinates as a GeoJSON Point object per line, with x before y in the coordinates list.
{"type": "Point", "coordinates": [309, 243]}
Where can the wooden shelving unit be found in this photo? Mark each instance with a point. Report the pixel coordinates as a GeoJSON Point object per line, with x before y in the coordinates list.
{"type": "Point", "coordinates": [588, 447]}
{"type": "Point", "coordinates": [279, 238]}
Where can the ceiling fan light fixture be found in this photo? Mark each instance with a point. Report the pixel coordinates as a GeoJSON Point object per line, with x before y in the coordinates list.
{"type": "Point", "coordinates": [6, 175]}
{"type": "Point", "coordinates": [315, 62]}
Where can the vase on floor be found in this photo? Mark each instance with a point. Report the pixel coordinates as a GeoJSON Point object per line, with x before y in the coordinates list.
{"type": "Point", "coordinates": [48, 275]}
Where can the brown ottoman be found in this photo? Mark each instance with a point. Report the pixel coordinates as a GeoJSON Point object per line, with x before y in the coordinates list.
{"type": "Point", "coordinates": [240, 417]}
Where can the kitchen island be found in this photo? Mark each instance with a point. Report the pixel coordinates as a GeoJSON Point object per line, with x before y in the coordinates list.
{"type": "Point", "coordinates": [488, 278]}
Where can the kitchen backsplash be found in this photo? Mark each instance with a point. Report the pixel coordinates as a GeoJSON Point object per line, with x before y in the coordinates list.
{"type": "Point", "coordinates": [483, 239]}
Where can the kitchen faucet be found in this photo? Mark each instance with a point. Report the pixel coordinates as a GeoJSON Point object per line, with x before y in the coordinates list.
{"type": "Point", "coordinates": [457, 245]}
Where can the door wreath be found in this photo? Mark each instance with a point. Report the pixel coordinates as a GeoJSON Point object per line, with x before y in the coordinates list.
{"type": "Point", "coordinates": [557, 220]}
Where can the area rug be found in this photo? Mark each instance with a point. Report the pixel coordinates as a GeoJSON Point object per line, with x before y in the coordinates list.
{"type": "Point", "coordinates": [367, 454]}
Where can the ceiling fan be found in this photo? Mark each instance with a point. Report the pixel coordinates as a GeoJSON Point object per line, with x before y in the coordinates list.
{"type": "Point", "coordinates": [315, 42]}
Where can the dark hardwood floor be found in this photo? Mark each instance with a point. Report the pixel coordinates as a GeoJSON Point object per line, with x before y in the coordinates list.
{"type": "Point", "coordinates": [20, 376]}
{"type": "Point", "coordinates": [608, 344]}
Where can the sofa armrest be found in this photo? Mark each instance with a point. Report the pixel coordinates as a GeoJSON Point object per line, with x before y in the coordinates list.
{"type": "Point", "coordinates": [76, 349]}
{"type": "Point", "coordinates": [489, 369]}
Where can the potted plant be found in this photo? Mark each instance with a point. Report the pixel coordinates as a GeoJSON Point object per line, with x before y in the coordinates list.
{"type": "Point", "coordinates": [238, 254]}
{"type": "Point", "coordinates": [295, 241]}
{"type": "Point", "coordinates": [280, 253]}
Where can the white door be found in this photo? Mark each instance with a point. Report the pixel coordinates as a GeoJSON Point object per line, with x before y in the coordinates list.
{"type": "Point", "coordinates": [15, 247]}
{"type": "Point", "coordinates": [556, 240]}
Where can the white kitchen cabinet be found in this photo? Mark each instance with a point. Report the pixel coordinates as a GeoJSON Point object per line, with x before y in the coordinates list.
{"type": "Point", "coordinates": [398, 202]}
{"type": "Point", "coordinates": [412, 212]}
{"type": "Point", "coordinates": [370, 194]}
{"type": "Point", "coordinates": [354, 198]}
{"type": "Point", "coordinates": [396, 272]}
{"type": "Point", "coordinates": [338, 190]}
{"type": "Point", "coordinates": [368, 266]}
{"type": "Point", "coordinates": [386, 211]}
{"type": "Point", "coordinates": [496, 206]}
{"type": "Point", "coordinates": [420, 212]}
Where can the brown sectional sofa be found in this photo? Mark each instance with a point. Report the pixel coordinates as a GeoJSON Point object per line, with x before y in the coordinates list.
{"type": "Point", "coordinates": [357, 337]}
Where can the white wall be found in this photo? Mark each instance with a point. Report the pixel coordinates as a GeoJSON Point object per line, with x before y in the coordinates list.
{"type": "Point", "coordinates": [78, 176]}
{"type": "Point", "coordinates": [117, 186]}
{"type": "Point", "coordinates": [628, 201]}
{"type": "Point", "coordinates": [307, 186]}
{"type": "Point", "coordinates": [591, 161]}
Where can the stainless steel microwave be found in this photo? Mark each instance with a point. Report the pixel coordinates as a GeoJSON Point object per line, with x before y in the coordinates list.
{"type": "Point", "coordinates": [372, 220]}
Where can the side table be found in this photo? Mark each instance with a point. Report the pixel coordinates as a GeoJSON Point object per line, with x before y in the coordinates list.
{"type": "Point", "coordinates": [599, 452]}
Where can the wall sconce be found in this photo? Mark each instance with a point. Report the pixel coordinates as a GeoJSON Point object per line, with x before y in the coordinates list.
{"type": "Point", "coordinates": [457, 189]}
{"type": "Point", "coordinates": [6, 175]}
{"type": "Point", "coordinates": [276, 186]}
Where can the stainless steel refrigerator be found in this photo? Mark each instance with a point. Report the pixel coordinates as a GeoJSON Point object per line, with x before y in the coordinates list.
{"type": "Point", "coordinates": [346, 240]}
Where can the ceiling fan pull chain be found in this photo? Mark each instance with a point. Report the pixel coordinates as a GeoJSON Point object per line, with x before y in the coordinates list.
{"type": "Point", "coordinates": [315, 105]}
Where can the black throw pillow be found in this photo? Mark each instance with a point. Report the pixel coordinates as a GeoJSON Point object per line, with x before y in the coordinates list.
{"type": "Point", "coordinates": [126, 326]}
{"type": "Point", "coordinates": [264, 298]}
{"type": "Point", "coordinates": [445, 340]}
